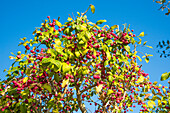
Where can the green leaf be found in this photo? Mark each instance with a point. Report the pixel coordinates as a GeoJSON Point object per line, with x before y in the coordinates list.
{"type": "Point", "coordinates": [23, 108]}
{"type": "Point", "coordinates": [108, 55]}
{"type": "Point", "coordinates": [65, 82]}
{"type": "Point", "coordinates": [66, 30]}
{"type": "Point", "coordinates": [57, 42]}
{"type": "Point", "coordinates": [47, 87]}
{"type": "Point", "coordinates": [100, 22]}
{"type": "Point", "coordinates": [141, 34]}
{"type": "Point", "coordinates": [78, 13]}
{"type": "Point", "coordinates": [58, 23]}
{"type": "Point", "coordinates": [56, 78]}
{"type": "Point", "coordinates": [56, 63]}
{"type": "Point", "coordinates": [66, 67]}
{"type": "Point", "coordinates": [127, 48]}
{"type": "Point", "coordinates": [92, 8]}
{"type": "Point", "coordinates": [52, 52]}
{"type": "Point", "coordinates": [151, 103]}
{"type": "Point", "coordinates": [147, 59]}
{"type": "Point", "coordinates": [165, 76]}
{"type": "Point", "coordinates": [81, 42]}
{"type": "Point", "coordinates": [69, 19]}
{"type": "Point", "coordinates": [114, 27]}
{"type": "Point", "coordinates": [45, 60]}
{"type": "Point", "coordinates": [111, 78]}
{"type": "Point", "coordinates": [87, 34]}
{"type": "Point", "coordinates": [106, 63]}
{"type": "Point", "coordinates": [109, 92]}
{"type": "Point", "coordinates": [25, 79]}
{"type": "Point", "coordinates": [78, 27]}
{"type": "Point", "coordinates": [141, 79]}
{"type": "Point", "coordinates": [77, 54]}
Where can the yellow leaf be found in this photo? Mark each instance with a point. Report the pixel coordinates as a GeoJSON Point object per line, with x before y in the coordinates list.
{"type": "Point", "coordinates": [34, 31]}
{"type": "Point", "coordinates": [160, 103]}
{"type": "Point", "coordinates": [113, 27]}
{"type": "Point", "coordinates": [77, 54]}
{"type": "Point", "coordinates": [25, 79]}
{"type": "Point", "coordinates": [141, 79]}
{"type": "Point", "coordinates": [144, 43]}
{"type": "Point", "coordinates": [141, 34]}
{"type": "Point", "coordinates": [130, 109]}
{"type": "Point", "coordinates": [149, 46]}
{"type": "Point", "coordinates": [139, 41]}
{"type": "Point", "coordinates": [58, 23]}
{"type": "Point", "coordinates": [99, 88]}
{"type": "Point", "coordinates": [83, 27]}
{"type": "Point", "coordinates": [85, 51]}
{"type": "Point", "coordinates": [69, 19]}
{"type": "Point", "coordinates": [147, 95]}
{"type": "Point", "coordinates": [164, 90]}
{"type": "Point", "coordinates": [151, 103]}
{"type": "Point", "coordinates": [11, 57]}
{"type": "Point", "coordinates": [64, 83]}
{"type": "Point", "coordinates": [139, 58]}
{"type": "Point", "coordinates": [92, 8]}
{"type": "Point", "coordinates": [147, 59]}
{"type": "Point", "coordinates": [57, 42]}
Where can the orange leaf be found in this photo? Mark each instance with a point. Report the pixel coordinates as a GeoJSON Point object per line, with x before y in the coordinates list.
{"type": "Point", "coordinates": [147, 95]}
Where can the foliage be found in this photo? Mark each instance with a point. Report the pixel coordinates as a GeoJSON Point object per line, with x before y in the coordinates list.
{"type": "Point", "coordinates": [164, 5]}
{"type": "Point", "coordinates": [66, 65]}
{"type": "Point", "coordinates": [165, 45]}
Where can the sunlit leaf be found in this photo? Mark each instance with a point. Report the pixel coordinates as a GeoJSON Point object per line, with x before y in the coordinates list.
{"type": "Point", "coordinates": [57, 42]}
{"type": "Point", "coordinates": [127, 48]}
{"type": "Point", "coordinates": [58, 23]}
{"type": "Point", "coordinates": [149, 46]}
{"type": "Point", "coordinates": [139, 58]}
{"type": "Point", "coordinates": [100, 22]}
{"type": "Point", "coordinates": [25, 79]}
{"type": "Point", "coordinates": [65, 67]}
{"type": "Point", "coordinates": [47, 87]}
{"type": "Point", "coordinates": [99, 88]}
{"type": "Point", "coordinates": [165, 76]}
{"type": "Point", "coordinates": [148, 95]}
{"type": "Point", "coordinates": [45, 60]}
{"type": "Point", "coordinates": [77, 54]}
{"type": "Point", "coordinates": [151, 103]}
{"type": "Point", "coordinates": [65, 82]}
{"type": "Point", "coordinates": [142, 34]}
{"type": "Point", "coordinates": [92, 8]}
{"type": "Point", "coordinates": [110, 78]}
{"type": "Point", "coordinates": [147, 59]}
{"type": "Point", "coordinates": [114, 27]}
{"type": "Point", "coordinates": [69, 19]}
{"type": "Point", "coordinates": [141, 79]}
{"type": "Point", "coordinates": [109, 92]}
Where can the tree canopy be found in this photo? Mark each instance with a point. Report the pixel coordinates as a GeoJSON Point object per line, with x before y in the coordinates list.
{"type": "Point", "coordinates": [66, 65]}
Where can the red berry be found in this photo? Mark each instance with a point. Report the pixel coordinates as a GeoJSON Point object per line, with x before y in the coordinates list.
{"type": "Point", "coordinates": [18, 56]}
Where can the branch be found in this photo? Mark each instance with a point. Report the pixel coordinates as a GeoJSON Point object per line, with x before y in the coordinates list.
{"type": "Point", "coordinates": [82, 108]}
{"type": "Point", "coordinates": [87, 88]}
{"type": "Point", "coordinates": [86, 10]}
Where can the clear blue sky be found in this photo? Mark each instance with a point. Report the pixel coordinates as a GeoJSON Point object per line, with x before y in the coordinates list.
{"type": "Point", "coordinates": [19, 18]}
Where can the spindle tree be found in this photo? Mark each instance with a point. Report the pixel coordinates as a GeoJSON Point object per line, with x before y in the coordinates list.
{"type": "Point", "coordinates": [66, 65]}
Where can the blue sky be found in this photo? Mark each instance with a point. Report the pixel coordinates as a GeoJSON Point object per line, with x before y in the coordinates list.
{"type": "Point", "coordinates": [19, 18]}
